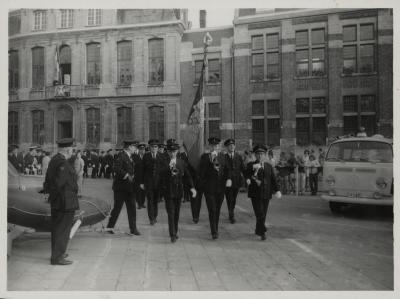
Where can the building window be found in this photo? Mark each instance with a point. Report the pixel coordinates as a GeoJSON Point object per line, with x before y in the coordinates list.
{"type": "Point", "coordinates": [93, 126]}
{"type": "Point", "coordinates": [349, 59]}
{"type": "Point", "coordinates": [302, 63]}
{"type": "Point", "coordinates": [124, 124]}
{"type": "Point", "coordinates": [14, 24]}
{"type": "Point", "coordinates": [13, 127]}
{"type": "Point", "coordinates": [198, 66]}
{"type": "Point", "coordinates": [65, 65]}
{"type": "Point", "coordinates": [311, 121]}
{"type": "Point", "coordinates": [257, 67]}
{"type": "Point", "coordinates": [266, 122]}
{"type": "Point", "coordinates": [156, 123]}
{"type": "Point", "coordinates": [265, 59]}
{"type": "Point", "coordinates": [257, 108]}
{"type": "Point", "coordinates": [38, 126]}
{"type": "Point", "coordinates": [359, 112]}
{"type": "Point", "coordinates": [213, 71]}
{"type": "Point", "coordinates": [94, 17]}
{"type": "Point", "coordinates": [310, 52]}
{"type": "Point", "coordinates": [93, 64]}
{"type": "Point", "coordinates": [125, 70]}
{"type": "Point", "coordinates": [212, 120]}
{"type": "Point", "coordinates": [156, 61]}
{"type": "Point", "coordinates": [359, 48]}
{"type": "Point", "coordinates": [67, 18]}
{"type": "Point", "coordinates": [38, 68]}
{"type": "Point", "coordinates": [13, 70]}
{"type": "Point", "coordinates": [39, 20]}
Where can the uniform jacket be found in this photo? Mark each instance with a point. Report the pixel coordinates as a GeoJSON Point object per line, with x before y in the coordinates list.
{"type": "Point", "coordinates": [152, 169]}
{"type": "Point", "coordinates": [171, 185]}
{"type": "Point", "coordinates": [61, 184]}
{"type": "Point", "coordinates": [123, 165]}
{"type": "Point", "coordinates": [210, 180]}
{"type": "Point", "coordinates": [235, 169]}
{"type": "Point", "coordinates": [138, 170]}
{"type": "Point", "coordinates": [268, 185]}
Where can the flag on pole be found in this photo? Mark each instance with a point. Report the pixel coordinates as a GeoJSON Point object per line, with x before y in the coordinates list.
{"type": "Point", "coordinates": [193, 137]}
{"type": "Point", "coordinates": [57, 66]}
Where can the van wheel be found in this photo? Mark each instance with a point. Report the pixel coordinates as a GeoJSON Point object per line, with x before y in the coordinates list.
{"type": "Point", "coordinates": [336, 207]}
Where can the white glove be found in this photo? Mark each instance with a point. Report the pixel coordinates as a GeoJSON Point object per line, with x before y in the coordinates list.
{"type": "Point", "coordinates": [278, 194]}
{"type": "Point", "coordinates": [194, 193]}
{"type": "Point", "coordinates": [228, 183]}
{"type": "Point", "coordinates": [248, 182]}
{"type": "Point", "coordinates": [141, 186]}
{"type": "Point", "coordinates": [126, 176]}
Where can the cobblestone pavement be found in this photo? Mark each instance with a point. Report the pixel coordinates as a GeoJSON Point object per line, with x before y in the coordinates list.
{"type": "Point", "coordinates": [307, 248]}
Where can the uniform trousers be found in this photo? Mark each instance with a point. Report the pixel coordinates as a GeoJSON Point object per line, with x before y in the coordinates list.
{"type": "Point", "coordinates": [152, 203]}
{"type": "Point", "coordinates": [195, 204]}
{"type": "Point", "coordinates": [173, 206]}
{"type": "Point", "coordinates": [231, 195]}
{"type": "Point", "coordinates": [214, 203]}
{"type": "Point", "coordinates": [260, 207]}
{"type": "Point", "coordinates": [121, 197]}
{"type": "Point", "coordinates": [61, 224]}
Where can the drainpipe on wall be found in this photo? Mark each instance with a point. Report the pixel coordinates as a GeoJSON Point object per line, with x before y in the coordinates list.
{"type": "Point", "coordinates": [233, 91]}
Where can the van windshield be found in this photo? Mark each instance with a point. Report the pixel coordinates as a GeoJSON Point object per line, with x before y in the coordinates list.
{"type": "Point", "coordinates": [361, 151]}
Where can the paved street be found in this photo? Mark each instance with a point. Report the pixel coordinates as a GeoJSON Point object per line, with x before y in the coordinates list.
{"type": "Point", "coordinates": [307, 248]}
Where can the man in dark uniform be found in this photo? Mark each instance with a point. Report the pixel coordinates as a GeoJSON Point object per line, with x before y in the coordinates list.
{"type": "Point", "coordinates": [95, 163]}
{"type": "Point", "coordinates": [183, 156]}
{"type": "Point", "coordinates": [108, 160]}
{"type": "Point", "coordinates": [123, 187]}
{"type": "Point", "coordinates": [212, 178]}
{"type": "Point", "coordinates": [13, 157]}
{"type": "Point", "coordinates": [262, 184]}
{"type": "Point", "coordinates": [138, 159]}
{"type": "Point", "coordinates": [153, 164]}
{"type": "Point", "coordinates": [29, 159]}
{"type": "Point", "coordinates": [61, 185]}
{"type": "Point", "coordinates": [235, 171]}
{"type": "Point", "coordinates": [172, 180]}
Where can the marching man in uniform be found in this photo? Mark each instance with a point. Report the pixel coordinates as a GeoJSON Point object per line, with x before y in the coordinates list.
{"type": "Point", "coordinates": [262, 184]}
{"type": "Point", "coordinates": [173, 179]}
{"type": "Point", "coordinates": [212, 181]}
{"type": "Point", "coordinates": [61, 185]}
{"type": "Point", "coordinates": [234, 170]}
{"type": "Point", "coordinates": [123, 187]}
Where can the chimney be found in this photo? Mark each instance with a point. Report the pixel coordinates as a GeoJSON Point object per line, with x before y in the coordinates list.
{"type": "Point", "coordinates": [203, 16]}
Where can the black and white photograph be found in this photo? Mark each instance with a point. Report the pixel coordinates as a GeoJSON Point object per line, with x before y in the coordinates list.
{"type": "Point", "coordinates": [158, 149]}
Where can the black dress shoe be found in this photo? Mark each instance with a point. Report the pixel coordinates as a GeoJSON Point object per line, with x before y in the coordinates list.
{"type": "Point", "coordinates": [134, 232]}
{"type": "Point", "coordinates": [151, 222]}
{"type": "Point", "coordinates": [215, 236]}
{"type": "Point", "coordinates": [233, 220]}
{"type": "Point", "coordinates": [263, 237]}
{"type": "Point", "coordinates": [195, 220]}
{"type": "Point", "coordinates": [62, 262]}
{"type": "Point", "coordinates": [177, 237]}
{"type": "Point", "coordinates": [139, 207]}
{"type": "Point", "coordinates": [65, 255]}
{"type": "Point", "coordinates": [173, 239]}
{"type": "Point", "coordinates": [155, 220]}
{"type": "Point", "coordinates": [143, 206]}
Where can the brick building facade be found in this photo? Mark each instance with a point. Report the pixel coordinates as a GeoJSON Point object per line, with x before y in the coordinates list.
{"type": "Point", "coordinates": [280, 77]}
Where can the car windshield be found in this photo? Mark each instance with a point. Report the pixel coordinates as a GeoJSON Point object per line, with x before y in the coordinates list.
{"type": "Point", "coordinates": [361, 151]}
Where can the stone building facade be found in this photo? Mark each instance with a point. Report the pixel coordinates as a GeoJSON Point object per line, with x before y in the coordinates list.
{"type": "Point", "coordinates": [282, 77]}
{"type": "Point", "coordinates": [118, 76]}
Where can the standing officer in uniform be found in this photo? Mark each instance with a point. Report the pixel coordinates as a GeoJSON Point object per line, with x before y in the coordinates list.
{"type": "Point", "coordinates": [262, 184]}
{"type": "Point", "coordinates": [212, 181]}
{"type": "Point", "coordinates": [123, 186]}
{"type": "Point", "coordinates": [234, 170]}
{"type": "Point", "coordinates": [61, 185]}
{"type": "Point", "coordinates": [138, 159]}
{"type": "Point", "coordinates": [153, 164]}
{"type": "Point", "coordinates": [173, 178]}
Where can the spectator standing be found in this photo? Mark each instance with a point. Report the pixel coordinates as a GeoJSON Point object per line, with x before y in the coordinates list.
{"type": "Point", "coordinates": [302, 174]}
{"type": "Point", "coordinates": [283, 172]}
{"type": "Point", "coordinates": [292, 165]}
{"type": "Point", "coordinates": [45, 162]}
{"type": "Point", "coordinates": [313, 165]}
{"type": "Point", "coordinates": [79, 165]}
